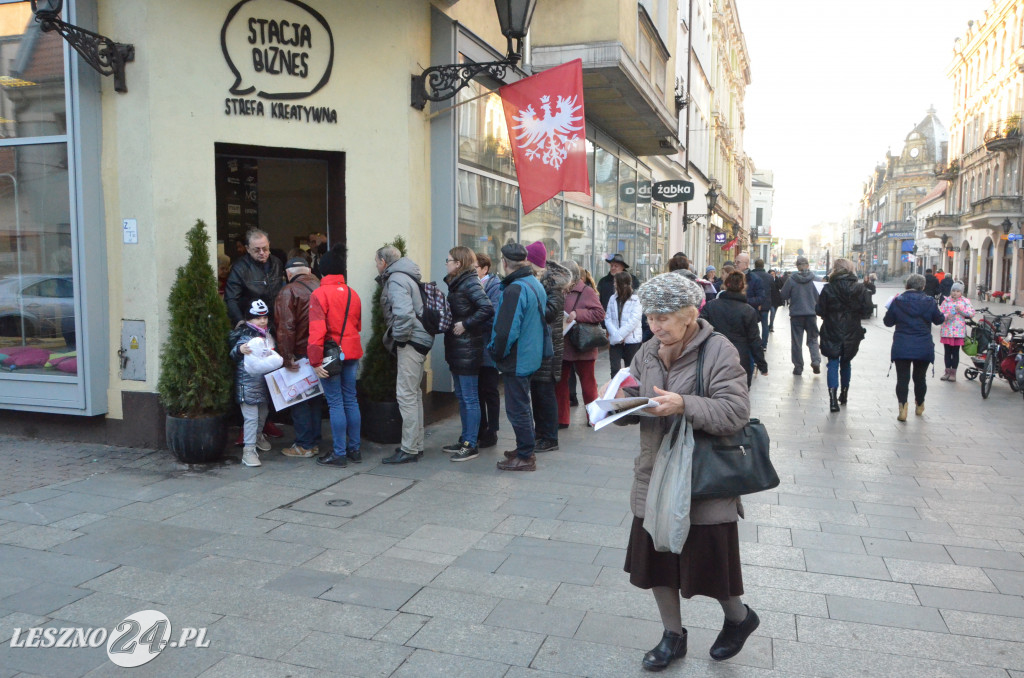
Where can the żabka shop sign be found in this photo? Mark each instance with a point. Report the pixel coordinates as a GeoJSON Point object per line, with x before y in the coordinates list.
{"type": "Point", "coordinates": [279, 51]}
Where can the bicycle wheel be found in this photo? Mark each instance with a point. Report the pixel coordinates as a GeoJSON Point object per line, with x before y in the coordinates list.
{"type": "Point", "coordinates": [988, 373]}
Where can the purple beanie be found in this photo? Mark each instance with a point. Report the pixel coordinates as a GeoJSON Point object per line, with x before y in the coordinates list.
{"type": "Point", "coordinates": [537, 254]}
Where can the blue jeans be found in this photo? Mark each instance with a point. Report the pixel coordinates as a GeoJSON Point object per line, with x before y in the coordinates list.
{"type": "Point", "coordinates": [340, 391]}
{"type": "Point", "coordinates": [517, 409]}
{"type": "Point", "coordinates": [835, 366]}
{"type": "Point", "coordinates": [469, 406]}
{"type": "Point", "coordinates": [306, 417]}
{"type": "Point", "coordinates": [764, 328]}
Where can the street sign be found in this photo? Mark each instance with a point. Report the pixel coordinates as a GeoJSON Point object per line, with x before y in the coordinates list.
{"type": "Point", "coordinates": [635, 192]}
{"type": "Point", "coordinates": [1015, 236]}
{"type": "Point", "coordinates": [719, 237]}
{"type": "Point", "coordinates": [674, 190]}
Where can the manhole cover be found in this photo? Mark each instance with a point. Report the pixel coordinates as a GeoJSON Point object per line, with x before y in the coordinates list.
{"type": "Point", "coordinates": [352, 496]}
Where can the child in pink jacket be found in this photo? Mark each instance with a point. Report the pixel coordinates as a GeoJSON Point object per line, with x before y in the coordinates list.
{"type": "Point", "coordinates": [957, 308]}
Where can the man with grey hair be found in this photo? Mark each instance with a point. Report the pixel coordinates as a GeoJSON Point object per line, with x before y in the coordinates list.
{"type": "Point", "coordinates": [291, 308]}
{"type": "Point", "coordinates": [255, 275]}
{"type": "Point", "coordinates": [802, 294]}
{"type": "Point", "coordinates": [401, 305]}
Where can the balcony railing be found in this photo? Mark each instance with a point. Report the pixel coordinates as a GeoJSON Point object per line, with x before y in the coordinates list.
{"type": "Point", "coordinates": [1004, 135]}
{"type": "Point", "coordinates": [996, 207]}
{"type": "Point", "coordinates": [947, 172]}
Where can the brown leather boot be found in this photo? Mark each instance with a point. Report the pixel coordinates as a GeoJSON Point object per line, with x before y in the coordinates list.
{"type": "Point", "coordinates": [518, 464]}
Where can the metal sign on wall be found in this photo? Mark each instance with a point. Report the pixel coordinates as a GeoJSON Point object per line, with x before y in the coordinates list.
{"type": "Point", "coordinates": [279, 51]}
{"type": "Point", "coordinates": [675, 190]}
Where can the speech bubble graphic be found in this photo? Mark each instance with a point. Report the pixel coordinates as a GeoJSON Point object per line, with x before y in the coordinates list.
{"type": "Point", "coordinates": [279, 49]}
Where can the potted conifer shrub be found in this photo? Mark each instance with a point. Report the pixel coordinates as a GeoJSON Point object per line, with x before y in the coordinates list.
{"type": "Point", "coordinates": [378, 409]}
{"type": "Point", "coordinates": [195, 368]}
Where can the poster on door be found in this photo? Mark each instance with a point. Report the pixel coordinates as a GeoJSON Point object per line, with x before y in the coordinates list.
{"type": "Point", "coordinates": [237, 201]}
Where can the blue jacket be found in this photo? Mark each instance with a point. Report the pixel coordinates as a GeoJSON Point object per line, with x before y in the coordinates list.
{"type": "Point", "coordinates": [492, 287]}
{"type": "Point", "coordinates": [913, 313]}
{"type": "Point", "coordinates": [520, 338]}
{"type": "Point", "coordinates": [758, 295]}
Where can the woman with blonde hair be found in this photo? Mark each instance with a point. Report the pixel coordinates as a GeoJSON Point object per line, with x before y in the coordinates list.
{"type": "Point", "coordinates": [841, 305]}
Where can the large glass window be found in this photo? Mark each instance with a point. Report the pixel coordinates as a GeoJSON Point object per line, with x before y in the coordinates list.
{"type": "Point", "coordinates": [483, 135]}
{"type": "Point", "coordinates": [543, 224]}
{"type": "Point", "coordinates": [627, 191]}
{"type": "Point", "coordinates": [37, 277]}
{"type": "Point", "coordinates": [579, 235]}
{"type": "Point", "coordinates": [487, 213]}
{"type": "Point", "coordinates": [606, 178]}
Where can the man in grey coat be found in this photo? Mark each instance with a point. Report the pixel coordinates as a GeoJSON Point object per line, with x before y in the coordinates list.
{"type": "Point", "coordinates": [802, 294]}
{"type": "Point", "coordinates": [401, 303]}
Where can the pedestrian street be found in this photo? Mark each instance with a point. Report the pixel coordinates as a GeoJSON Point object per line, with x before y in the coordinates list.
{"type": "Point", "coordinates": [889, 549]}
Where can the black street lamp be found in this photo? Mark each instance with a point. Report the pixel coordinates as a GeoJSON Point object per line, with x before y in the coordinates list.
{"type": "Point", "coordinates": [439, 83]}
{"type": "Point", "coordinates": [945, 239]}
{"type": "Point", "coordinates": [712, 198]}
{"type": "Point", "coordinates": [1006, 226]}
{"type": "Point", "coordinates": [103, 54]}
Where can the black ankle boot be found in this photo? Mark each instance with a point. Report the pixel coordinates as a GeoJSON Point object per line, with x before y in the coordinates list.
{"type": "Point", "coordinates": [671, 647]}
{"type": "Point", "coordinates": [842, 394]}
{"type": "Point", "coordinates": [833, 403]}
{"type": "Point", "coordinates": [732, 636]}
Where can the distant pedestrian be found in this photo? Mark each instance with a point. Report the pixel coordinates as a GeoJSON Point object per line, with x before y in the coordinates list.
{"type": "Point", "coordinates": [709, 564]}
{"type": "Point", "coordinates": [912, 313]}
{"type": "Point", "coordinates": [956, 309]}
{"type": "Point", "coordinates": [464, 345]}
{"type": "Point", "coordinates": [802, 294]}
{"type": "Point", "coordinates": [555, 278]}
{"type": "Point", "coordinates": [776, 295]}
{"type": "Point", "coordinates": [716, 283]}
{"type": "Point", "coordinates": [841, 305]}
{"type": "Point", "coordinates": [583, 306]}
{"type": "Point", "coordinates": [490, 399]}
{"type": "Point", "coordinates": [606, 286]}
{"type": "Point", "coordinates": [335, 313]}
{"type": "Point", "coordinates": [757, 290]}
{"type": "Point", "coordinates": [931, 284]}
{"type": "Point", "coordinates": [767, 306]}
{"type": "Point", "coordinates": [622, 320]}
{"type": "Point", "coordinates": [291, 308]}
{"type": "Point", "coordinates": [946, 287]}
{"type": "Point", "coordinates": [731, 315]}
{"type": "Point", "coordinates": [519, 342]}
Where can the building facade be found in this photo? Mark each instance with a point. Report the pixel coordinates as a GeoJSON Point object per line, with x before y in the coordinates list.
{"type": "Point", "coordinates": [294, 118]}
{"type": "Point", "coordinates": [762, 197]}
{"type": "Point", "coordinates": [983, 208]}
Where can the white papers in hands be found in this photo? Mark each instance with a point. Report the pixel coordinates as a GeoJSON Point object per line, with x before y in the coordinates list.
{"type": "Point", "coordinates": [607, 409]}
{"type": "Point", "coordinates": [568, 325]}
{"type": "Point", "coordinates": [819, 285]}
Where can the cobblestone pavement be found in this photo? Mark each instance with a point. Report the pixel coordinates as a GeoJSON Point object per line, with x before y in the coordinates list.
{"type": "Point", "coordinates": [888, 550]}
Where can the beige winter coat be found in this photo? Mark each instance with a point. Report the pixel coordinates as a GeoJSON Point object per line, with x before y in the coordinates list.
{"type": "Point", "coordinates": [724, 410]}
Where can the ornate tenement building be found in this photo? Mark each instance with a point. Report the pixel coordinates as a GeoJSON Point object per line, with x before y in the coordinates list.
{"type": "Point", "coordinates": [983, 202]}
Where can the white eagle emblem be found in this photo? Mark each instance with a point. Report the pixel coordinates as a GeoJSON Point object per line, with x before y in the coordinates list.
{"type": "Point", "coordinates": [552, 136]}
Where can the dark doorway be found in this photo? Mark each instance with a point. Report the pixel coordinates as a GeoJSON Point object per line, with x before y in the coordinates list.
{"type": "Point", "coordinates": [288, 192]}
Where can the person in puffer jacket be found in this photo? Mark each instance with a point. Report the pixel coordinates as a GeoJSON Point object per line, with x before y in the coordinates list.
{"type": "Point", "coordinates": [734, 317]}
{"type": "Point", "coordinates": [555, 279]}
{"type": "Point", "coordinates": [956, 309]}
{"type": "Point", "coordinates": [487, 377]}
{"type": "Point", "coordinates": [251, 389]}
{"type": "Point", "coordinates": [912, 313]}
{"type": "Point", "coordinates": [472, 312]}
{"type": "Point", "coordinates": [622, 320]}
{"type": "Point", "coordinates": [841, 306]}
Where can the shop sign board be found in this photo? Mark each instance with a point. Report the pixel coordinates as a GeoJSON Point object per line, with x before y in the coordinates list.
{"type": "Point", "coordinates": [279, 51]}
{"type": "Point", "coordinates": [639, 192]}
{"type": "Point", "coordinates": [674, 190]}
{"type": "Point", "coordinates": [1015, 236]}
{"type": "Point", "coordinates": [719, 237]}
{"type": "Point", "coordinates": [900, 234]}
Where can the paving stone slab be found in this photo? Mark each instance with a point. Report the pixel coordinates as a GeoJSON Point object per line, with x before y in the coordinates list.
{"type": "Point", "coordinates": [237, 666]}
{"type": "Point", "coordinates": [846, 564]}
{"type": "Point", "coordinates": [1009, 582]}
{"type": "Point", "coordinates": [467, 607]}
{"type": "Point", "coordinates": [184, 662]}
{"type": "Point", "coordinates": [841, 543]}
{"type": "Point", "coordinates": [484, 561]}
{"type": "Point", "coordinates": [46, 566]}
{"type": "Point", "coordinates": [987, 558]}
{"type": "Point", "coordinates": [350, 656]}
{"type": "Point", "coordinates": [500, 585]}
{"type": "Point", "coordinates": [534, 617]}
{"type": "Point", "coordinates": [35, 514]}
{"type": "Point", "coordinates": [252, 638]}
{"type": "Point", "coordinates": [551, 569]}
{"type": "Point", "coordinates": [39, 537]}
{"type": "Point", "coordinates": [505, 646]}
{"type": "Point", "coordinates": [264, 551]}
{"type": "Point", "coordinates": [388, 595]}
{"type": "Point", "coordinates": [885, 614]}
{"type": "Point", "coordinates": [428, 664]}
{"type": "Point", "coordinates": [938, 574]}
{"type": "Point", "coordinates": [303, 582]}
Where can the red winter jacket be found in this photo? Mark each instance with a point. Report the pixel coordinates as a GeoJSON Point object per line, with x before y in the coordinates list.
{"type": "Point", "coordinates": [326, 316]}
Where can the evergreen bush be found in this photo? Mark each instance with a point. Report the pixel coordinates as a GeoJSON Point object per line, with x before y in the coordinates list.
{"type": "Point", "coordinates": [196, 372]}
{"type": "Point", "coordinates": [380, 368]}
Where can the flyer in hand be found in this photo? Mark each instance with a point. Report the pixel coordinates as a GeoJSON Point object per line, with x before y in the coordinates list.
{"type": "Point", "coordinates": [288, 387]}
{"type": "Point", "coordinates": [607, 409]}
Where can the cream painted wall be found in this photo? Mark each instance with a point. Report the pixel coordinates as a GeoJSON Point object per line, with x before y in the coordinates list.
{"type": "Point", "coordinates": [158, 145]}
{"type": "Point", "coordinates": [581, 21]}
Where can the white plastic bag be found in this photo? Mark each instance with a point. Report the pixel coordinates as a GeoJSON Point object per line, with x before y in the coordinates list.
{"type": "Point", "coordinates": [667, 513]}
{"type": "Point", "coordinates": [263, 358]}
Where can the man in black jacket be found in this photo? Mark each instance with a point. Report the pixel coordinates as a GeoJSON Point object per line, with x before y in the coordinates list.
{"type": "Point", "coordinates": [606, 285]}
{"type": "Point", "coordinates": [758, 284]}
{"type": "Point", "coordinates": [931, 284]}
{"type": "Point", "coordinates": [256, 275]}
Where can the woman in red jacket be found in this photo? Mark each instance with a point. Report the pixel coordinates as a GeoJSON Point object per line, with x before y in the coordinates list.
{"type": "Point", "coordinates": [335, 313]}
{"type": "Point", "coordinates": [583, 305]}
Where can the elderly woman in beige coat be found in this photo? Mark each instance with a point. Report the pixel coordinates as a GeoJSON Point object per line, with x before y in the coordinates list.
{"type": "Point", "coordinates": [709, 564]}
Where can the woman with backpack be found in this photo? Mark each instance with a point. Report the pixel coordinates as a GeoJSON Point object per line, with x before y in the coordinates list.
{"type": "Point", "coordinates": [472, 312]}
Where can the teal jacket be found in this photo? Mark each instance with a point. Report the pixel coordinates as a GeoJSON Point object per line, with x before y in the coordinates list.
{"type": "Point", "coordinates": [520, 338]}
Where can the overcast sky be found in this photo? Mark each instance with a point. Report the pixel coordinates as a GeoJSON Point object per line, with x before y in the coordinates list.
{"type": "Point", "coordinates": [834, 84]}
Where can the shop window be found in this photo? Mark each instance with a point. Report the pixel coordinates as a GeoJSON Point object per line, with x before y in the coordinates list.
{"type": "Point", "coordinates": [544, 224]}
{"type": "Point", "coordinates": [484, 225]}
{"type": "Point", "coordinates": [483, 134]}
{"type": "Point", "coordinates": [605, 243]}
{"type": "Point", "coordinates": [578, 236]}
{"type": "Point", "coordinates": [606, 177]}
{"type": "Point", "coordinates": [32, 101]}
{"type": "Point", "coordinates": [627, 191]}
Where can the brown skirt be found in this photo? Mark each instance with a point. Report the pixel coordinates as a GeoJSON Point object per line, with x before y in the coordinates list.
{"type": "Point", "coordinates": [708, 566]}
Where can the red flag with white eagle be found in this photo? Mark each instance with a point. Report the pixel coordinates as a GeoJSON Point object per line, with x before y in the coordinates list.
{"type": "Point", "coordinates": [547, 129]}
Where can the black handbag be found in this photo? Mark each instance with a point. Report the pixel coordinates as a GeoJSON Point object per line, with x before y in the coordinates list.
{"type": "Point", "coordinates": [732, 465]}
{"type": "Point", "coordinates": [586, 336]}
{"type": "Point", "coordinates": [333, 355]}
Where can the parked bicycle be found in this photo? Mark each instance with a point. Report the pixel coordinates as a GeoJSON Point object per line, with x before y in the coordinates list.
{"type": "Point", "coordinates": [998, 350]}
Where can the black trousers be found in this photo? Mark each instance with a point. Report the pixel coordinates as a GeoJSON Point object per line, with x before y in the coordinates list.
{"type": "Point", "coordinates": [903, 379]}
{"type": "Point", "coordinates": [619, 353]}
{"type": "Point", "coordinates": [952, 356]}
{"type": "Point", "coordinates": [545, 410]}
{"type": "Point", "coordinates": [490, 401]}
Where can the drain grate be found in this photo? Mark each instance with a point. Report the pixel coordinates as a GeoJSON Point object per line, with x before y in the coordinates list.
{"type": "Point", "coordinates": [352, 496]}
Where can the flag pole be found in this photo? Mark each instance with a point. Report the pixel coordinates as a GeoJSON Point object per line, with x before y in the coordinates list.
{"type": "Point", "coordinates": [463, 103]}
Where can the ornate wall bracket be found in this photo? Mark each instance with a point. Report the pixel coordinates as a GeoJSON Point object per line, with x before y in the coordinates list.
{"type": "Point", "coordinates": [439, 83]}
{"type": "Point", "coordinates": [103, 54]}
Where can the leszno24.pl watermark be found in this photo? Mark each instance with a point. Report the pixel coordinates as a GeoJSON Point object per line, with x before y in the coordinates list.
{"type": "Point", "coordinates": [136, 640]}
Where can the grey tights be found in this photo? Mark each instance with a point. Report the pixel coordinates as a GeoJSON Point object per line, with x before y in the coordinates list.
{"type": "Point", "coordinates": [668, 607]}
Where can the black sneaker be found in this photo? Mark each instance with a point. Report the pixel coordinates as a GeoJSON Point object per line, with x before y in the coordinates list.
{"type": "Point", "coordinates": [816, 367]}
{"type": "Point", "coordinates": [453, 447]}
{"type": "Point", "coordinates": [465, 453]}
{"type": "Point", "coordinates": [339, 461]}
{"type": "Point", "coordinates": [573, 402]}
{"type": "Point", "coordinates": [797, 371]}
{"type": "Point", "coordinates": [487, 441]}
{"type": "Point", "coordinates": [355, 456]}
{"type": "Point", "coordinates": [546, 446]}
